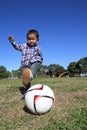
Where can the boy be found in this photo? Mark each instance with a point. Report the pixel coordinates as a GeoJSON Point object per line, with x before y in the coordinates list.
{"type": "Point", "coordinates": [31, 56]}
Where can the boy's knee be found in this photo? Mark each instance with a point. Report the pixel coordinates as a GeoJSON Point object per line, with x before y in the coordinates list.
{"type": "Point", "coordinates": [34, 70]}
{"type": "Point", "coordinates": [32, 74]}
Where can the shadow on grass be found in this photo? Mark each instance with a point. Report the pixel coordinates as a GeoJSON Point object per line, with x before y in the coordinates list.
{"type": "Point", "coordinates": [27, 110]}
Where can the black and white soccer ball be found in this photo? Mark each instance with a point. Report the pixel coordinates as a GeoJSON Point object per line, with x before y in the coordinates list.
{"type": "Point", "coordinates": [39, 99]}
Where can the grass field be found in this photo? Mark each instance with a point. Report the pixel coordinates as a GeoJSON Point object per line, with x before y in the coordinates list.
{"type": "Point", "coordinates": [69, 111]}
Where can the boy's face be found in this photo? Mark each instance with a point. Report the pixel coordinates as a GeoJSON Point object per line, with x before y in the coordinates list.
{"type": "Point", "coordinates": [32, 39]}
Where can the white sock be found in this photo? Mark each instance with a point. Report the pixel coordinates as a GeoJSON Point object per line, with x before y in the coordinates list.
{"type": "Point", "coordinates": [31, 75]}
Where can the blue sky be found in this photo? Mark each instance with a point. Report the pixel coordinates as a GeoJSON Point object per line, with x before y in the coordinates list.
{"type": "Point", "coordinates": [62, 25]}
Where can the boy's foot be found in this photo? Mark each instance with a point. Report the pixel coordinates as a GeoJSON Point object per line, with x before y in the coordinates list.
{"type": "Point", "coordinates": [22, 90]}
{"type": "Point", "coordinates": [27, 86]}
{"type": "Point", "coordinates": [25, 90]}
{"type": "Point", "coordinates": [26, 76]}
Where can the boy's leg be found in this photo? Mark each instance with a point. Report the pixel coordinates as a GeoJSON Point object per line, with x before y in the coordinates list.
{"type": "Point", "coordinates": [26, 80]}
{"type": "Point", "coordinates": [30, 73]}
{"type": "Point", "coordinates": [26, 76]}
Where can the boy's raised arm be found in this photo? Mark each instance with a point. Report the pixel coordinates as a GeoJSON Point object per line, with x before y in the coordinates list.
{"type": "Point", "coordinates": [16, 46]}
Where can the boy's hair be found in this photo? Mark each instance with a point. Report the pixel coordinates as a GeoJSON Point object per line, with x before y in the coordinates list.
{"type": "Point", "coordinates": [34, 32]}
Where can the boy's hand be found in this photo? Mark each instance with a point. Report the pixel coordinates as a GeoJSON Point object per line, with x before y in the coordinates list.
{"type": "Point", "coordinates": [11, 38]}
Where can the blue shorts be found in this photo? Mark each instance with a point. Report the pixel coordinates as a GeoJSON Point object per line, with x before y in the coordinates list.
{"type": "Point", "coordinates": [34, 67]}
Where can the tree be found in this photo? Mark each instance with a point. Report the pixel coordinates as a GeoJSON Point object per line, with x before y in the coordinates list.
{"type": "Point", "coordinates": [82, 63]}
{"type": "Point", "coordinates": [73, 69]}
{"type": "Point", "coordinates": [43, 70]}
{"type": "Point", "coordinates": [55, 70]}
{"type": "Point", "coordinates": [4, 73]}
{"type": "Point", "coordinates": [59, 70]}
{"type": "Point", "coordinates": [51, 70]}
{"type": "Point", "coordinates": [17, 73]}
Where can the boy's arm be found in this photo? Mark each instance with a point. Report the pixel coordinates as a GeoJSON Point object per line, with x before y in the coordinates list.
{"type": "Point", "coordinates": [16, 46]}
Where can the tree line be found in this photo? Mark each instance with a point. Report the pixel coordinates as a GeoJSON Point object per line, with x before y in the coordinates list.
{"type": "Point", "coordinates": [78, 68]}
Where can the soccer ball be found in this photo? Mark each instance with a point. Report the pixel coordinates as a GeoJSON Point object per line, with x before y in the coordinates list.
{"type": "Point", "coordinates": [39, 99]}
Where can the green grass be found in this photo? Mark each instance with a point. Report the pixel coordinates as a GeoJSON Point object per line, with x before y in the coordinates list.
{"type": "Point", "coordinates": [69, 111]}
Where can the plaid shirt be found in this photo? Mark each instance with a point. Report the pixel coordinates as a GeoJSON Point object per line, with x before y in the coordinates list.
{"type": "Point", "coordinates": [29, 53]}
